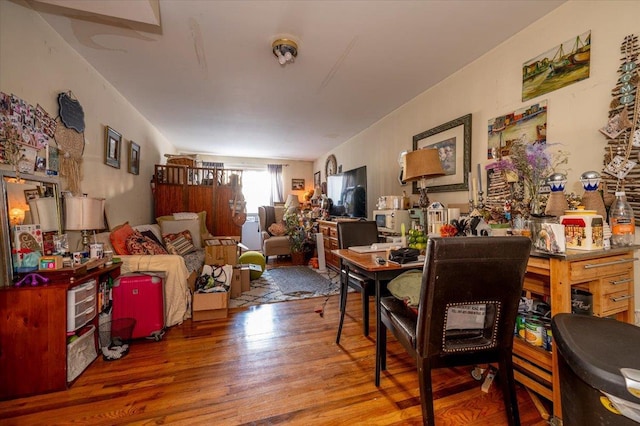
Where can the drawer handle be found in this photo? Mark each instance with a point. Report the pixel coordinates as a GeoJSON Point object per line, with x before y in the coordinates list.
{"type": "Point", "coordinates": [615, 262]}
{"type": "Point", "coordinates": [626, 280]}
{"type": "Point", "coordinates": [621, 298]}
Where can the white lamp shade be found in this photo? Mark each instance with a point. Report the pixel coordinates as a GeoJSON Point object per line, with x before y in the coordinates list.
{"type": "Point", "coordinates": [292, 201]}
{"type": "Point", "coordinates": [45, 212]}
{"type": "Point", "coordinates": [83, 213]}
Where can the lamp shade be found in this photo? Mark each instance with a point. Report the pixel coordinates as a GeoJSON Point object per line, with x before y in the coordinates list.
{"type": "Point", "coordinates": [83, 213]}
{"type": "Point", "coordinates": [292, 201]}
{"type": "Point", "coordinates": [45, 212]}
{"type": "Point", "coordinates": [422, 163]}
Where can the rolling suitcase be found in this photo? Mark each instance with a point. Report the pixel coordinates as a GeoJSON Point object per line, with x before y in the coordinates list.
{"type": "Point", "coordinates": [140, 296]}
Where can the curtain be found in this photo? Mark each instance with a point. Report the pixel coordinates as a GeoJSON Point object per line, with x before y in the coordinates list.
{"type": "Point", "coordinates": [275, 176]}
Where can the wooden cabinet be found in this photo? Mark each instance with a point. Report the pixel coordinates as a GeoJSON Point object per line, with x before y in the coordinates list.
{"type": "Point", "coordinates": [33, 332]}
{"type": "Point", "coordinates": [329, 231]}
{"type": "Point", "coordinates": [607, 274]}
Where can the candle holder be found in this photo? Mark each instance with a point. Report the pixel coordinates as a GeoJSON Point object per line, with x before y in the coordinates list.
{"type": "Point", "coordinates": [480, 203]}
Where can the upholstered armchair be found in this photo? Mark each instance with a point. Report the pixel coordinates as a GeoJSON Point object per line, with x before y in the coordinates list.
{"type": "Point", "coordinates": [272, 231]}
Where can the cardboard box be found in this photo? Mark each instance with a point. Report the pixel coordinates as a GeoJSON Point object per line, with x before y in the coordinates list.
{"type": "Point", "coordinates": [207, 306]}
{"type": "Point", "coordinates": [240, 281]}
{"type": "Point", "coordinates": [221, 251]}
{"type": "Point", "coordinates": [245, 284]}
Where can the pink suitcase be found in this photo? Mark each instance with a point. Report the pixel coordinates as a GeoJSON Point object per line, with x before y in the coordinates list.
{"type": "Point", "coordinates": [140, 296]}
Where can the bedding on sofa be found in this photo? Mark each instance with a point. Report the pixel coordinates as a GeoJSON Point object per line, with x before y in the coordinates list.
{"type": "Point", "coordinates": [178, 269]}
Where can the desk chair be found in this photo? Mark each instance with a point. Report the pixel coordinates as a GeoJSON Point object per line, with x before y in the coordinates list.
{"type": "Point", "coordinates": [469, 296]}
{"type": "Point", "coordinates": [350, 234]}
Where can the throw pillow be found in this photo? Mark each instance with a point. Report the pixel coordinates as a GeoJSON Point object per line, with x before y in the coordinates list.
{"type": "Point", "coordinates": [119, 236]}
{"type": "Point", "coordinates": [202, 218]}
{"type": "Point", "coordinates": [177, 226]}
{"type": "Point", "coordinates": [152, 236]}
{"type": "Point", "coordinates": [406, 286]}
{"type": "Point", "coordinates": [180, 243]}
{"type": "Point", "coordinates": [139, 244]}
{"type": "Point", "coordinates": [277, 229]}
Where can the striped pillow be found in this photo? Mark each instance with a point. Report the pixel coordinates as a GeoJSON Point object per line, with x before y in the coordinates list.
{"type": "Point", "coordinates": [180, 243]}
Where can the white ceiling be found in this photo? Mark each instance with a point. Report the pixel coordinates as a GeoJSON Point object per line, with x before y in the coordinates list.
{"type": "Point", "coordinates": [208, 80]}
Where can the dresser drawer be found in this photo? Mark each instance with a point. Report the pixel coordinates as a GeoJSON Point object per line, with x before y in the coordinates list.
{"type": "Point", "coordinates": [612, 303]}
{"type": "Point", "coordinates": [595, 268]}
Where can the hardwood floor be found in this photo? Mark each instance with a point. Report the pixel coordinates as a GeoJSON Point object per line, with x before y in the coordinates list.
{"type": "Point", "coordinates": [264, 365]}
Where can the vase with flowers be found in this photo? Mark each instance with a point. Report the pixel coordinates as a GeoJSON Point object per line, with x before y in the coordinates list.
{"type": "Point", "coordinates": [531, 164]}
{"type": "Point", "coordinates": [297, 228]}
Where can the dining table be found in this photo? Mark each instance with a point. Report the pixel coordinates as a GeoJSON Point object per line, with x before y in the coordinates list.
{"type": "Point", "coordinates": [375, 266]}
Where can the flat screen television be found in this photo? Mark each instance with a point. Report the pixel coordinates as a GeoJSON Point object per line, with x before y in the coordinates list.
{"type": "Point", "coordinates": [348, 193]}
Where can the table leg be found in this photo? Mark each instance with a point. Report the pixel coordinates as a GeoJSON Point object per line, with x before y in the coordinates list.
{"type": "Point", "coordinates": [343, 297]}
{"type": "Point", "coordinates": [380, 363]}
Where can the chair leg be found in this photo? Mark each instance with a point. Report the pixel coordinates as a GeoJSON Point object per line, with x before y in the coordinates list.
{"type": "Point", "coordinates": [365, 312]}
{"type": "Point", "coordinates": [426, 391]}
{"type": "Point", "coordinates": [508, 385]}
{"type": "Point", "coordinates": [381, 352]}
{"type": "Point", "coordinates": [343, 304]}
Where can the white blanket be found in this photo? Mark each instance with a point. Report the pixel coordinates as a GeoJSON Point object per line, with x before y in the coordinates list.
{"type": "Point", "coordinates": [177, 297]}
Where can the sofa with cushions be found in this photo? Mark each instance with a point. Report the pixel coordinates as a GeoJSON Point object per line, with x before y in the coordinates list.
{"type": "Point", "coordinates": [275, 242]}
{"type": "Point", "coordinates": [173, 246]}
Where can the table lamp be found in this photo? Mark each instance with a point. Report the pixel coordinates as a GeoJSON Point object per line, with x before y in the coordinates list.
{"type": "Point", "coordinates": [44, 211]}
{"type": "Point", "coordinates": [83, 214]}
{"type": "Point", "coordinates": [421, 165]}
{"type": "Point", "coordinates": [292, 203]}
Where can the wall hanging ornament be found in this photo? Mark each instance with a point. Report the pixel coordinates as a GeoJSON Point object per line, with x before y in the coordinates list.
{"type": "Point", "coordinates": [622, 129]}
{"type": "Point", "coordinates": [70, 140]}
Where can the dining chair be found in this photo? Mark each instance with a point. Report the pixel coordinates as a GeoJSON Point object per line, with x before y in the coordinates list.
{"type": "Point", "coordinates": [469, 295]}
{"type": "Point", "coordinates": [350, 234]}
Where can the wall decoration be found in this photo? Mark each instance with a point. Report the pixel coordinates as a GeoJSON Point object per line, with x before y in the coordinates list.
{"type": "Point", "coordinates": [297, 184]}
{"type": "Point", "coordinates": [134, 158]}
{"type": "Point", "coordinates": [71, 111]}
{"type": "Point", "coordinates": [53, 161]}
{"type": "Point", "coordinates": [31, 194]}
{"type": "Point", "coordinates": [530, 121]}
{"type": "Point", "coordinates": [453, 141]}
{"type": "Point", "coordinates": [622, 129]}
{"type": "Point", "coordinates": [331, 165]}
{"type": "Point", "coordinates": [561, 66]}
{"type": "Point", "coordinates": [316, 179]}
{"type": "Point", "coordinates": [112, 144]}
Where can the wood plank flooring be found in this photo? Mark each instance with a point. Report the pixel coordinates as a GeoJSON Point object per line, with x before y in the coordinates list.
{"type": "Point", "coordinates": [264, 365]}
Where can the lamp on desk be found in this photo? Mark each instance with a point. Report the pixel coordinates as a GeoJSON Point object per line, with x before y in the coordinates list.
{"type": "Point", "coordinates": [421, 165]}
{"type": "Point", "coordinates": [83, 214]}
{"type": "Point", "coordinates": [292, 203]}
{"type": "Point", "coordinates": [44, 211]}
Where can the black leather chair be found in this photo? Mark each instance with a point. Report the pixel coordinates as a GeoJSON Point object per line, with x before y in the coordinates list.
{"type": "Point", "coordinates": [460, 275]}
{"type": "Point", "coordinates": [350, 234]}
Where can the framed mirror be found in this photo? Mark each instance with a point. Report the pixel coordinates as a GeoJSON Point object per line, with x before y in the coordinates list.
{"type": "Point", "coordinates": [29, 200]}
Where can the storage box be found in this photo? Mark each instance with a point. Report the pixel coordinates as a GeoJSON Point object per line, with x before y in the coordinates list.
{"type": "Point", "coordinates": [221, 251]}
{"type": "Point", "coordinates": [207, 306]}
{"type": "Point", "coordinates": [80, 353]}
{"type": "Point", "coordinates": [245, 270]}
{"type": "Point", "coordinates": [240, 280]}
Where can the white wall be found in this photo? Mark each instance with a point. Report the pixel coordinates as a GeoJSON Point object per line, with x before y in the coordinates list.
{"type": "Point", "coordinates": [491, 86]}
{"type": "Point", "coordinates": [36, 65]}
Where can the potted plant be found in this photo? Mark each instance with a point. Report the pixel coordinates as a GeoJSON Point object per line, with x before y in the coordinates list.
{"type": "Point", "coordinates": [298, 237]}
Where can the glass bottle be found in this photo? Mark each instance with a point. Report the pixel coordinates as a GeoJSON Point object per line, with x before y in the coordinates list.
{"type": "Point", "coordinates": [622, 221]}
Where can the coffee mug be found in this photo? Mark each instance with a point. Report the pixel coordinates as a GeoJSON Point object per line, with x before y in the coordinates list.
{"type": "Point", "coordinates": [96, 250]}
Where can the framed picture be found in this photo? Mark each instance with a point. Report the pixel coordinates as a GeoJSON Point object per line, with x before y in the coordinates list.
{"type": "Point", "coordinates": [134, 158]}
{"type": "Point", "coordinates": [112, 144]}
{"type": "Point", "coordinates": [453, 142]}
{"type": "Point", "coordinates": [297, 184]}
{"type": "Point", "coordinates": [31, 194]}
{"type": "Point", "coordinates": [316, 179]}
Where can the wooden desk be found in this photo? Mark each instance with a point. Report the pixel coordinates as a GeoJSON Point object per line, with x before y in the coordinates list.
{"type": "Point", "coordinates": [365, 264]}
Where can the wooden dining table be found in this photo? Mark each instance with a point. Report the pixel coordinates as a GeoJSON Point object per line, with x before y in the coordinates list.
{"type": "Point", "coordinates": [368, 265]}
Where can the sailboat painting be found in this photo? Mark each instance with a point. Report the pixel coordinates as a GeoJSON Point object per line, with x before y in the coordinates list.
{"type": "Point", "coordinates": [561, 66]}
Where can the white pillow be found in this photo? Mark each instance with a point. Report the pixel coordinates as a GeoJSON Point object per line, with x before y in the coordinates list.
{"type": "Point", "coordinates": [175, 226]}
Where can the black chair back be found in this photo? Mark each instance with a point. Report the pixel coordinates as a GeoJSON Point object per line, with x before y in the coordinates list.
{"type": "Point", "coordinates": [471, 288]}
{"type": "Point", "coordinates": [357, 233]}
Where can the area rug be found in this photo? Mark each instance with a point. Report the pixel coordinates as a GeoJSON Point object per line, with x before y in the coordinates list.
{"type": "Point", "coordinates": [266, 289]}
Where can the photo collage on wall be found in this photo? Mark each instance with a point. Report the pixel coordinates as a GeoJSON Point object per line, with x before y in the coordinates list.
{"type": "Point", "coordinates": [25, 133]}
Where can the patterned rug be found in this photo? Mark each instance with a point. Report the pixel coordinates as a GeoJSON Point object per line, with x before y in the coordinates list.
{"type": "Point", "coordinates": [265, 289]}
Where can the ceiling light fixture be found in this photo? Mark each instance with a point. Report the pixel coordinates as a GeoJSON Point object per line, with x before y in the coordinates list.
{"type": "Point", "coordinates": [286, 50]}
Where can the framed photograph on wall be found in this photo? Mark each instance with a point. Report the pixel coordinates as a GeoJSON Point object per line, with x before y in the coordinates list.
{"type": "Point", "coordinates": [134, 158]}
{"type": "Point", "coordinates": [297, 184]}
{"type": "Point", "coordinates": [316, 179]}
{"type": "Point", "coordinates": [453, 142]}
{"type": "Point", "coordinates": [112, 144]}
{"type": "Point", "coordinates": [31, 194]}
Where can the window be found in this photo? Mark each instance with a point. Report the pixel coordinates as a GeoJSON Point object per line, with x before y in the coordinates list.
{"type": "Point", "coordinates": [256, 189]}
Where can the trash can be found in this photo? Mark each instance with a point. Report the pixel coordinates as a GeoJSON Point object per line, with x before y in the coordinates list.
{"type": "Point", "coordinates": [599, 367]}
{"type": "Point", "coordinates": [115, 337]}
